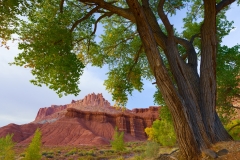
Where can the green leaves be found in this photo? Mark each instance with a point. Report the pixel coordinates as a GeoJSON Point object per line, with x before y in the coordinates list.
{"type": "Point", "coordinates": [118, 142]}
{"type": "Point", "coordinates": [49, 47]}
{"type": "Point", "coordinates": [33, 150]}
{"type": "Point", "coordinates": [228, 69]}
{"type": "Point", "coordinates": [6, 148]}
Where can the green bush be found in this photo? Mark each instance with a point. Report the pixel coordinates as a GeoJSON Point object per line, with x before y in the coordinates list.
{"type": "Point", "coordinates": [6, 148]}
{"type": "Point", "coordinates": [118, 142]}
{"type": "Point", "coordinates": [162, 131]}
{"type": "Point", "coordinates": [151, 150]}
{"type": "Point", "coordinates": [33, 150]}
{"type": "Point", "coordinates": [138, 158]}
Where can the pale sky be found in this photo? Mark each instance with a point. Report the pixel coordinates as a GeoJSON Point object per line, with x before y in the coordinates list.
{"type": "Point", "coordinates": [20, 100]}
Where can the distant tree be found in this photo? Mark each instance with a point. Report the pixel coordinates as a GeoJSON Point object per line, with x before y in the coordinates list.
{"type": "Point", "coordinates": [118, 141]}
{"type": "Point", "coordinates": [58, 38]}
{"type": "Point", "coordinates": [33, 152]}
{"type": "Point", "coordinates": [6, 148]}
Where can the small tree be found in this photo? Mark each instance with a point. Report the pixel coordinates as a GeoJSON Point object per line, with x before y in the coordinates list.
{"type": "Point", "coordinates": [33, 150]}
{"type": "Point", "coordinates": [118, 142]}
{"type": "Point", "coordinates": [6, 148]}
{"type": "Point", "coordinates": [162, 131]}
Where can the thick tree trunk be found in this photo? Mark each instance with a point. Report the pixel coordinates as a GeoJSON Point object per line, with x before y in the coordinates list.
{"type": "Point", "coordinates": [208, 87]}
{"type": "Point", "coordinates": [196, 123]}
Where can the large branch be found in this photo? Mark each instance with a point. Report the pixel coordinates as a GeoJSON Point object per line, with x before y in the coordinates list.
{"type": "Point", "coordinates": [126, 13]}
{"type": "Point", "coordinates": [190, 51]}
{"type": "Point", "coordinates": [76, 23]}
{"type": "Point", "coordinates": [164, 18]}
{"type": "Point", "coordinates": [223, 4]}
{"type": "Point", "coordinates": [157, 32]}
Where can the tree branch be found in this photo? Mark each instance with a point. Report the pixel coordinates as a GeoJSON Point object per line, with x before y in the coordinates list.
{"type": "Point", "coordinates": [234, 127]}
{"type": "Point", "coordinates": [157, 32]}
{"type": "Point", "coordinates": [223, 4]}
{"type": "Point", "coordinates": [84, 18]}
{"type": "Point", "coordinates": [164, 18]}
{"type": "Point", "coordinates": [136, 57]}
{"type": "Point", "coordinates": [101, 17]}
{"type": "Point", "coordinates": [194, 36]}
{"type": "Point", "coordinates": [61, 6]}
{"type": "Point", "coordinates": [126, 13]}
{"type": "Point", "coordinates": [235, 107]}
{"type": "Point", "coordinates": [191, 53]}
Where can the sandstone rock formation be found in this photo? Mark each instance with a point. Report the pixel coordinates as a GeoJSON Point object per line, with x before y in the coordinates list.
{"type": "Point", "coordinates": [44, 112]}
{"type": "Point", "coordinates": [90, 121]}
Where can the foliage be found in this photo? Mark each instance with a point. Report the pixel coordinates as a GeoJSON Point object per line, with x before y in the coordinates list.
{"type": "Point", "coordinates": [57, 43]}
{"type": "Point", "coordinates": [228, 70]}
{"type": "Point", "coordinates": [151, 150]}
{"type": "Point", "coordinates": [162, 131]}
{"type": "Point", "coordinates": [234, 129]}
{"type": "Point", "coordinates": [138, 42]}
{"type": "Point", "coordinates": [6, 148]}
{"type": "Point", "coordinates": [33, 150]}
{"type": "Point", "coordinates": [118, 142]}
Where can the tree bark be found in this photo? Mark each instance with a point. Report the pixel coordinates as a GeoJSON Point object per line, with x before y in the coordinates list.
{"type": "Point", "coordinates": [208, 87]}
{"type": "Point", "coordinates": [192, 102]}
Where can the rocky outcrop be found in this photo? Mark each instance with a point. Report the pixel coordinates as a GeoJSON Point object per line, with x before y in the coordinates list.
{"type": "Point", "coordinates": [91, 100]}
{"type": "Point", "coordinates": [90, 121]}
{"type": "Point", "coordinates": [44, 112]}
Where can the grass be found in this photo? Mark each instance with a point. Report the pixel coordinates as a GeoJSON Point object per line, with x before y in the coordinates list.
{"type": "Point", "coordinates": [133, 151]}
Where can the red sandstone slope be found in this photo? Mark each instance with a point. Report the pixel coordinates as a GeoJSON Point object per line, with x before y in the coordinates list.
{"type": "Point", "coordinates": [90, 121]}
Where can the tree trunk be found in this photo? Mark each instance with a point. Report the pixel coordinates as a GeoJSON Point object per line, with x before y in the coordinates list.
{"type": "Point", "coordinates": [208, 87]}
{"type": "Point", "coordinates": [192, 103]}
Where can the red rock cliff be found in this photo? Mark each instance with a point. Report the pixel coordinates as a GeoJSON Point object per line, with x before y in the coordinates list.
{"type": "Point", "coordinates": [131, 122]}
{"type": "Point", "coordinates": [44, 112]}
{"type": "Point", "coordinates": [90, 121]}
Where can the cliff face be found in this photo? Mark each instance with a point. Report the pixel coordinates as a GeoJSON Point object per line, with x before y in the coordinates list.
{"type": "Point", "coordinates": [44, 112]}
{"type": "Point", "coordinates": [130, 122]}
{"type": "Point", "coordinates": [90, 121]}
{"type": "Point", "coordinates": [91, 100]}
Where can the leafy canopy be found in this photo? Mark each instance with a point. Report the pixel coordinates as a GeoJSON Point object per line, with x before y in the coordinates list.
{"type": "Point", "coordinates": [58, 38]}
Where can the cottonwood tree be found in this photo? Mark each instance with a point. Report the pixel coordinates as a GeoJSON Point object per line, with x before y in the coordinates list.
{"type": "Point", "coordinates": [58, 38]}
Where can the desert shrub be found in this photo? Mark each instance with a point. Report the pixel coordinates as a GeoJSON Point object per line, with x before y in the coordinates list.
{"type": "Point", "coordinates": [120, 158]}
{"type": "Point", "coordinates": [138, 157]}
{"type": "Point", "coordinates": [138, 149]}
{"type": "Point", "coordinates": [233, 129]}
{"type": "Point", "coordinates": [49, 154]}
{"type": "Point", "coordinates": [6, 148]}
{"type": "Point", "coordinates": [72, 152]}
{"type": "Point", "coordinates": [151, 150]}
{"type": "Point", "coordinates": [162, 131]}
{"type": "Point", "coordinates": [118, 142]}
{"type": "Point", "coordinates": [87, 158]}
{"type": "Point", "coordinates": [22, 155]}
{"type": "Point", "coordinates": [33, 150]}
